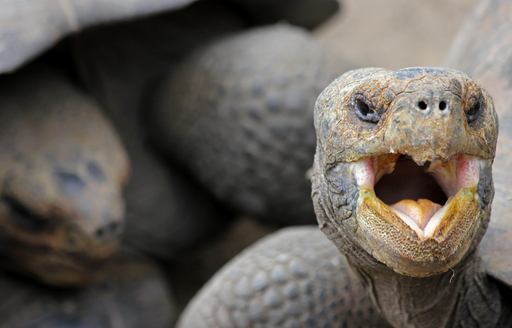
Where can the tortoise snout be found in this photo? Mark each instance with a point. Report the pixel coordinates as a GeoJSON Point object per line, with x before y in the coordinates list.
{"type": "Point", "coordinates": [435, 103]}
{"type": "Point", "coordinates": [426, 125]}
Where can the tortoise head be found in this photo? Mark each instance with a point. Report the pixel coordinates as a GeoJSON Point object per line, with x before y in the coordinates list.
{"type": "Point", "coordinates": [60, 219]}
{"type": "Point", "coordinates": [62, 171]}
{"type": "Point", "coordinates": [402, 172]}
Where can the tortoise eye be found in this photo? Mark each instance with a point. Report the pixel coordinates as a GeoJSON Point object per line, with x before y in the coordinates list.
{"type": "Point", "coordinates": [474, 111]}
{"type": "Point", "coordinates": [364, 111]}
{"type": "Point", "coordinates": [24, 217]}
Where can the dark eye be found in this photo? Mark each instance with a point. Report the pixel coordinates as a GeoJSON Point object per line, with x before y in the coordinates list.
{"type": "Point", "coordinates": [364, 111]}
{"type": "Point", "coordinates": [24, 217]}
{"type": "Point", "coordinates": [474, 111]}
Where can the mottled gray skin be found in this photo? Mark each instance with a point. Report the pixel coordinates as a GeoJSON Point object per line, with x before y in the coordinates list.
{"type": "Point", "coordinates": [130, 292]}
{"type": "Point", "coordinates": [117, 64]}
{"type": "Point", "coordinates": [62, 173]}
{"type": "Point", "coordinates": [238, 114]}
{"type": "Point", "coordinates": [293, 278]}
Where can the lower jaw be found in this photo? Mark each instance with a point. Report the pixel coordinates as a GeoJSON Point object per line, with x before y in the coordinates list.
{"type": "Point", "coordinates": [417, 252]}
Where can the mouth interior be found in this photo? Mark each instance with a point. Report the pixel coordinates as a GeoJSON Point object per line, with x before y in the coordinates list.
{"type": "Point", "coordinates": [418, 193]}
{"type": "Point", "coordinates": [409, 181]}
{"type": "Point", "coordinates": [411, 191]}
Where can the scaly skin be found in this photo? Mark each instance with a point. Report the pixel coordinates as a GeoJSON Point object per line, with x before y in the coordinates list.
{"type": "Point", "coordinates": [293, 278]}
{"type": "Point", "coordinates": [62, 170]}
{"type": "Point", "coordinates": [415, 281]}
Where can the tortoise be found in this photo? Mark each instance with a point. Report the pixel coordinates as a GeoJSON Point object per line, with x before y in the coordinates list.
{"type": "Point", "coordinates": [128, 292]}
{"type": "Point", "coordinates": [62, 173]}
{"type": "Point", "coordinates": [237, 113]}
{"type": "Point", "coordinates": [409, 239]}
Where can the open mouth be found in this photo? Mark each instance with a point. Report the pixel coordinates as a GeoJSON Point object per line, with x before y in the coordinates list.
{"type": "Point", "coordinates": [419, 194]}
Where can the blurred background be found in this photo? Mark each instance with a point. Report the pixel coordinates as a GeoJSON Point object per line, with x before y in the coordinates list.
{"type": "Point", "coordinates": [395, 34]}
{"type": "Point", "coordinates": [145, 144]}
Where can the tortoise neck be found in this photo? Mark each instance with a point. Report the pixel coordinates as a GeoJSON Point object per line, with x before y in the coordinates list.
{"type": "Point", "coordinates": [463, 296]}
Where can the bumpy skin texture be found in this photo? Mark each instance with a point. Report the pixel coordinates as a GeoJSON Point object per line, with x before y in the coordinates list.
{"type": "Point", "coordinates": [484, 50]}
{"type": "Point", "coordinates": [238, 113]}
{"type": "Point", "coordinates": [160, 218]}
{"type": "Point", "coordinates": [62, 170]}
{"type": "Point", "coordinates": [293, 278]}
{"type": "Point", "coordinates": [130, 293]}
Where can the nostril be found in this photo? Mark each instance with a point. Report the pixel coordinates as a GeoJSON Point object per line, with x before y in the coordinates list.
{"type": "Point", "coordinates": [442, 105]}
{"type": "Point", "coordinates": [100, 232]}
{"type": "Point", "coordinates": [108, 231]}
{"type": "Point", "coordinates": [422, 105]}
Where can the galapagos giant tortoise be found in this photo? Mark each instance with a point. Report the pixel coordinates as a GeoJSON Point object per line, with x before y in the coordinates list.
{"type": "Point", "coordinates": [403, 187]}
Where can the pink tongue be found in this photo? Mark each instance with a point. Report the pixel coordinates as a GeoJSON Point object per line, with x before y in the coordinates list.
{"type": "Point", "coordinates": [420, 211]}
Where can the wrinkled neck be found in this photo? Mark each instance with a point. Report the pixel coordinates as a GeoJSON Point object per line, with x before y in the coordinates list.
{"type": "Point", "coordinates": [464, 296]}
